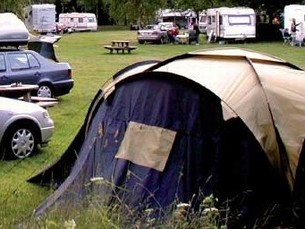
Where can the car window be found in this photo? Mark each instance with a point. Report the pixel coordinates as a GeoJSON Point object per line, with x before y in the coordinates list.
{"type": "Point", "coordinates": [18, 61]}
{"type": "Point", "coordinates": [2, 63]}
{"type": "Point", "coordinates": [33, 61]}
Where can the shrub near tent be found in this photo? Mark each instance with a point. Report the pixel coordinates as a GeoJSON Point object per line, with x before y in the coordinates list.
{"type": "Point", "coordinates": [167, 132]}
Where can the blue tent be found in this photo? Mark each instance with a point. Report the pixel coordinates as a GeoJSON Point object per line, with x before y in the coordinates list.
{"type": "Point", "coordinates": [176, 131]}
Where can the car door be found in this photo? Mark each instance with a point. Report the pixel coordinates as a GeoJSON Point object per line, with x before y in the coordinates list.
{"type": "Point", "coordinates": [22, 67]}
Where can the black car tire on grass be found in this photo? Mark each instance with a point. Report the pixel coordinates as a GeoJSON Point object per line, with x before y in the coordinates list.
{"type": "Point", "coordinates": [20, 141]}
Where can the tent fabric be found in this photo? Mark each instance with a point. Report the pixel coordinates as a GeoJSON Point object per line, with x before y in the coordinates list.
{"type": "Point", "coordinates": [286, 79]}
{"type": "Point", "coordinates": [233, 119]}
{"type": "Point", "coordinates": [154, 150]}
{"type": "Point", "coordinates": [196, 132]}
{"type": "Point", "coordinates": [235, 82]}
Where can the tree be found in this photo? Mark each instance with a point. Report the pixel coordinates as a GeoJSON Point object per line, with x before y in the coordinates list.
{"type": "Point", "coordinates": [13, 6]}
{"type": "Point", "coordinates": [143, 11]}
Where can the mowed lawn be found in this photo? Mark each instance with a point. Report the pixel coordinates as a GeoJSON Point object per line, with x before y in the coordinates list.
{"type": "Point", "coordinates": [92, 66]}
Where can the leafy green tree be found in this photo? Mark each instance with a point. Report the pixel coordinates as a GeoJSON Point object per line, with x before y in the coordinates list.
{"type": "Point", "coordinates": [128, 11]}
{"type": "Point", "coordinates": [13, 6]}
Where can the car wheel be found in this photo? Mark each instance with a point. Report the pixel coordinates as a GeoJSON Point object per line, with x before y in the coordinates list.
{"type": "Point", "coordinates": [20, 141]}
{"type": "Point", "coordinates": [141, 42]}
{"type": "Point", "coordinates": [45, 91]}
{"type": "Point", "coordinates": [162, 40]}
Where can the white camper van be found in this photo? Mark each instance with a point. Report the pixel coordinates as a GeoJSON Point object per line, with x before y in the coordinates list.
{"type": "Point", "coordinates": [79, 21]}
{"type": "Point", "coordinates": [40, 17]}
{"type": "Point", "coordinates": [236, 23]}
{"type": "Point", "coordinates": [202, 22]}
{"type": "Point", "coordinates": [181, 18]}
{"type": "Point", "coordinates": [295, 11]}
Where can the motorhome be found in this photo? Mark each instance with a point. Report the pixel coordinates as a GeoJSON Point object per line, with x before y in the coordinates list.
{"type": "Point", "coordinates": [40, 17]}
{"type": "Point", "coordinates": [236, 23]}
{"type": "Point", "coordinates": [202, 22]}
{"type": "Point", "coordinates": [298, 13]}
{"type": "Point", "coordinates": [181, 18]}
{"type": "Point", "coordinates": [79, 21]}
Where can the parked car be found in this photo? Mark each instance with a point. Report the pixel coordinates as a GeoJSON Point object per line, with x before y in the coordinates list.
{"type": "Point", "coordinates": [62, 28]}
{"type": "Point", "coordinates": [29, 67]}
{"type": "Point", "coordinates": [23, 126]}
{"type": "Point", "coordinates": [154, 33]}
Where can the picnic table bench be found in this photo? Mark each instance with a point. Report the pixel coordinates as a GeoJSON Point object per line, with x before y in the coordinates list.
{"type": "Point", "coordinates": [24, 90]}
{"type": "Point", "coordinates": [44, 101]}
{"type": "Point", "coordinates": [120, 46]}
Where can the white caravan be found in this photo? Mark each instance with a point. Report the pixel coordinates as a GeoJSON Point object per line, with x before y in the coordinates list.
{"type": "Point", "coordinates": [202, 22]}
{"type": "Point", "coordinates": [181, 18]}
{"type": "Point", "coordinates": [295, 11]}
{"type": "Point", "coordinates": [79, 21]}
{"type": "Point", "coordinates": [236, 23]}
{"type": "Point", "coordinates": [40, 17]}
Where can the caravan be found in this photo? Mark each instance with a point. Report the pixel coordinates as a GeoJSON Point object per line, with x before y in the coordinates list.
{"type": "Point", "coordinates": [237, 23]}
{"type": "Point", "coordinates": [298, 13]}
{"type": "Point", "coordinates": [79, 21]}
{"type": "Point", "coordinates": [40, 17]}
{"type": "Point", "coordinates": [181, 18]}
{"type": "Point", "coordinates": [203, 22]}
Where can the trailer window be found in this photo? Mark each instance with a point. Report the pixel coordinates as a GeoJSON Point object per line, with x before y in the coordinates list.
{"type": "Point", "coordinates": [91, 19]}
{"type": "Point", "coordinates": [209, 20]}
{"type": "Point", "coordinates": [203, 18]}
{"type": "Point", "coordinates": [239, 19]}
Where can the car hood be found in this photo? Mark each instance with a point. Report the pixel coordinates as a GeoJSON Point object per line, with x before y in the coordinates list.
{"type": "Point", "coordinates": [18, 106]}
{"type": "Point", "coordinates": [149, 30]}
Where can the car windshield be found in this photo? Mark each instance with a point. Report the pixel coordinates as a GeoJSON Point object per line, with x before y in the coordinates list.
{"type": "Point", "coordinates": [150, 26]}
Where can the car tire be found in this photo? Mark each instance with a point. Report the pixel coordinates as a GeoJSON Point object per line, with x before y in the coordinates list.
{"type": "Point", "coordinates": [141, 42]}
{"type": "Point", "coordinates": [162, 40]}
{"type": "Point", "coordinates": [45, 90]}
{"type": "Point", "coordinates": [20, 141]}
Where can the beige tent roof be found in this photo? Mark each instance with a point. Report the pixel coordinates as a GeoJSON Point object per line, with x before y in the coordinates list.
{"type": "Point", "coordinates": [264, 91]}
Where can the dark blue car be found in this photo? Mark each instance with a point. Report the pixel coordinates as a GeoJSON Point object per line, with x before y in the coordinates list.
{"type": "Point", "coordinates": [29, 67]}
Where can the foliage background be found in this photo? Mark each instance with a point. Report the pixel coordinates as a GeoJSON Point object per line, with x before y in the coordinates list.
{"type": "Point", "coordinates": [131, 11]}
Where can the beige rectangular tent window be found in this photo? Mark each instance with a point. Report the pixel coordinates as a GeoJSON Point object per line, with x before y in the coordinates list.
{"type": "Point", "coordinates": [146, 145]}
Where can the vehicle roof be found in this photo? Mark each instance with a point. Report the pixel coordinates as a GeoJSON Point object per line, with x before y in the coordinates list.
{"type": "Point", "coordinates": [12, 30]}
{"type": "Point", "coordinates": [76, 14]}
{"type": "Point", "coordinates": [235, 10]}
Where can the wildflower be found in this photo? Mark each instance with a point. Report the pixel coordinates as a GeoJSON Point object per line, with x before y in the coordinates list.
{"type": "Point", "coordinates": [96, 180]}
{"type": "Point", "coordinates": [70, 224]}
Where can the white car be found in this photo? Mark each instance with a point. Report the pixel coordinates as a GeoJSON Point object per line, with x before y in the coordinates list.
{"type": "Point", "coordinates": [154, 33]}
{"type": "Point", "coordinates": [23, 126]}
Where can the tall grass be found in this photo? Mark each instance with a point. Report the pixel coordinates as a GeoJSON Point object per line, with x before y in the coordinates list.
{"type": "Point", "coordinates": [92, 65]}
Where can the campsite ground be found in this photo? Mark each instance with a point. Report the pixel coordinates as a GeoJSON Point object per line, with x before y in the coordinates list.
{"type": "Point", "coordinates": [92, 66]}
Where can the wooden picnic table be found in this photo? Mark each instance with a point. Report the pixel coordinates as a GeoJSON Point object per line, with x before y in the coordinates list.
{"type": "Point", "coordinates": [18, 89]}
{"type": "Point", "coordinates": [120, 46]}
{"type": "Point", "coordinates": [25, 90]}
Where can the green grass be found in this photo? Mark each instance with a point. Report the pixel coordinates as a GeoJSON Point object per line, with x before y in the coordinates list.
{"type": "Point", "coordinates": [92, 65]}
